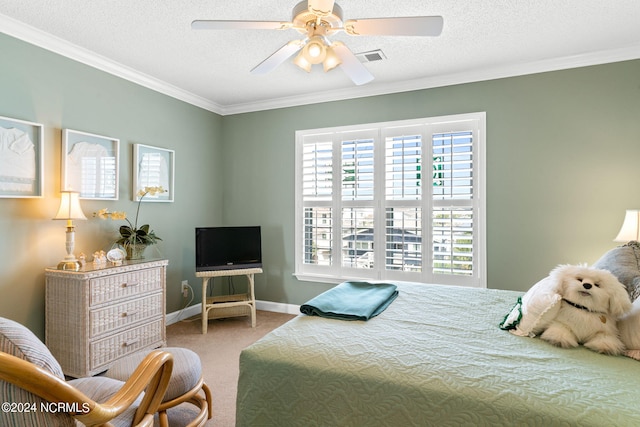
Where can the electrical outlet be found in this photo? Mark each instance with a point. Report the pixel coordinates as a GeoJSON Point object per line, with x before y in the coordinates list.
{"type": "Point", "coordinates": [185, 288]}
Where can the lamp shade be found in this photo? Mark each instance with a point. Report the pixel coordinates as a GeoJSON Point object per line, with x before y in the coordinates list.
{"type": "Point", "coordinates": [331, 60]}
{"type": "Point", "coordinates": [70, 206]}
{"type": "Point", "coordinates": [630, 229]}
{"type": "Point", "coordinates": [315, 50]}
{"type": "Point", "coordinates": [302, 63]}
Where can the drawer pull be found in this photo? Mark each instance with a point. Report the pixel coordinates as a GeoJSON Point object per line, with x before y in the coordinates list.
{"type": "Point", "coordinates": [129, 314]}
{"type": "Point", "coordinates": [130, 343]}
{"type": "Point", "coordinates": [129, 285]}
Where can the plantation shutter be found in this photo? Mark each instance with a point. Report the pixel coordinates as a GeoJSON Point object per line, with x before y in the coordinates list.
{"type": "Point", "coordinates": [403, 194]}
{"type": "Point", "coordinates": [357, 202]}
{"type": "Point", "coordinates": [452, 217]}
{"type": "Point", "coordinates": [317, 193]}
{"type": "Point", "coordinates": [367, 209]}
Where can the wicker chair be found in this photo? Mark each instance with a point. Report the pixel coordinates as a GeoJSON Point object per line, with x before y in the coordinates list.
{"type": "Point", "coordinates": [186, 386]}
{"type": "Point", "coordinates": [34, 392]}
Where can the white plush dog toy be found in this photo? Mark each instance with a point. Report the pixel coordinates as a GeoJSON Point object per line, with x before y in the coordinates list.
{"type": "Point", "coordinates": [574, 305]}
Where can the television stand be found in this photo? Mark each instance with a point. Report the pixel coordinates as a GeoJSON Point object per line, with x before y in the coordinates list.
{"type": "Point", "coordinates": [228, 305]}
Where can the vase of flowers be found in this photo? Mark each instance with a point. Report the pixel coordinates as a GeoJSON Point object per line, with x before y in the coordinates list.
{"type": "Point", "coordinates": [134, 239]}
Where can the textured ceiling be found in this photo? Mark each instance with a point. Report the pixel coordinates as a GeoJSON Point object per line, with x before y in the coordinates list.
{"type": "Point", "coordinates": [151, 42]}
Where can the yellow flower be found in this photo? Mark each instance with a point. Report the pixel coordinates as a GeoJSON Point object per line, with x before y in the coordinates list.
{"type": "Point", "coordinates": [150, 190]}
{"type": "Point", "coordinates": [105, 214]}
{"type": "Point", "coordinates": [118, 215]}
{"type": "Point", "coordinates": [102, 213]}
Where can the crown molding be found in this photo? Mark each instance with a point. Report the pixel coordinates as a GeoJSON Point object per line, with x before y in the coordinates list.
{"type": "Point", "coordinates": [493, 73]}
{"type": "Point", "coordinates": [34, 36]}
{"type": "Point", "coordinates": [62, 47]}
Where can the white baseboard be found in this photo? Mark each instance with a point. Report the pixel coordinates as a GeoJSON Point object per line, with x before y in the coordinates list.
{"type": "Point", "coordinates": [196, 309]}
{"type": "Point", "coordinates": [277, 307]}
{"type": "Point", "coordinates": [185, 313]}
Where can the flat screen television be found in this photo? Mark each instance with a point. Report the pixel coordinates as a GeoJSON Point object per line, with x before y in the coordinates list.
{"type": "Point", "coordinates": [228, 248]}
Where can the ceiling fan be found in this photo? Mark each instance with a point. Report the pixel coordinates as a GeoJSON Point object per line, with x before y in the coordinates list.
{"type": "Point", "coordinates": [319, 19]}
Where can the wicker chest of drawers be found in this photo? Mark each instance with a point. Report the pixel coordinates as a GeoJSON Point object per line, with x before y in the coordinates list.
{"type": "Point", "coordinates": [97, 315]}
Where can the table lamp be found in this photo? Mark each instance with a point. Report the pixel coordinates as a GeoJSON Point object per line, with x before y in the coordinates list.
{"type": "Point", "coordinates": [630, 229]}
{"type": "Point", "coordinates": [69, 210]}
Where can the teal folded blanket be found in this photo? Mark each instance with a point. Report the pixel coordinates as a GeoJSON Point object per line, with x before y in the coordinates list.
{"type": "Point", "coordinates": [352, 301]}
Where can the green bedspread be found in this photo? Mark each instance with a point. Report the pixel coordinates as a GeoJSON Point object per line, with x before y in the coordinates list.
{"type": "Point", "coordinates": [352, 301]}
{"type": "Point", "coordinates": [435, 357]}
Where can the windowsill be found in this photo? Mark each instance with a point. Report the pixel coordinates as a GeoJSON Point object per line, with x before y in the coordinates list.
{"type": "Point", "coordinates": [305, 277]}
{"type": "Point", "coordinates": [442, 280]}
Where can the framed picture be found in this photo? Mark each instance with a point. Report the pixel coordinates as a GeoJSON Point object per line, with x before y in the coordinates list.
{"type": "Point", "coordinates": [90, 164]}
{"type": "Point", "coordinates": [21, 158]}
{"type": "Point", "coordinates": [153, 167]}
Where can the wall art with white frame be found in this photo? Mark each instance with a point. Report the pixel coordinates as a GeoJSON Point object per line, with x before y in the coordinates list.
{"type": "Point", "coordinates": [21, 158]}
{"type": "Point", "coordinates": [90, 165]}
{"type": "Point", "coordinates": [153, 167]}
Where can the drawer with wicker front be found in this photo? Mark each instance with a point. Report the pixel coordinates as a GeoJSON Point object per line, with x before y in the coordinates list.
{"type": "Point", "coordinates": [103, 352]}
{"type": "Point", "coordinates": [98, 314]}
{"type": "Point", "coordinates": [128, 313]}
{"type": "Point", "coordinates": [129, 284]}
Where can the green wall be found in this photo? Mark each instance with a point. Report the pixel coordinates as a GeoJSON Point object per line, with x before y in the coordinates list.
{"type": "Point", "coordinates": [39, 86]}
{"type": "Point", "coordinates": [562, 155]}
{"type": "Point", "coordinates": [562, 165]}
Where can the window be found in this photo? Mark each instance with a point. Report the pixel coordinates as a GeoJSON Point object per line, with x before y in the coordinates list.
{"type": "Point", "coordinates": [366, 209]}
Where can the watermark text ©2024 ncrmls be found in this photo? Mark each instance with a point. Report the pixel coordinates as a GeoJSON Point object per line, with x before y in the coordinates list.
{"type": "Point", "coordinates": [49, 407]}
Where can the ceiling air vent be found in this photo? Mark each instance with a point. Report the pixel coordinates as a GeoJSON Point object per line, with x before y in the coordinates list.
{"type": "Point", "coordinates": [371, 56]}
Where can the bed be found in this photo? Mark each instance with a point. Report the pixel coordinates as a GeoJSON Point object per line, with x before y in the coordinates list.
{"type": "Point", "coordinates": [434, 357]}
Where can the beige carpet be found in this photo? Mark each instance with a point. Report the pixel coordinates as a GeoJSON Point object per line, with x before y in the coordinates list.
{"type": "Point", "coordinates": [219, 351]}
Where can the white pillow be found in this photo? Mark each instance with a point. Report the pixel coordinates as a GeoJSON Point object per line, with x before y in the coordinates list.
{"type": "Point", "coordinates": [534, 310]}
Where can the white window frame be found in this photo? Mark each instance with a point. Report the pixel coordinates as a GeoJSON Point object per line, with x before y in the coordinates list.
{"type": "Point", "coordinates": [336, 273]}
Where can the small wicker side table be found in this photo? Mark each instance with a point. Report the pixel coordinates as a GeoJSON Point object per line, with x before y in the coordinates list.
{"type": "Point", "coordinates": [228, 305]}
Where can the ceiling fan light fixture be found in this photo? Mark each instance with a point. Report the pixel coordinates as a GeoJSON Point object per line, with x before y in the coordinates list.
{"type": "Point", "coordinates": [320, 19]}
{"type": "Point", "coordinates": [315, 50]}
{"type": "Point", "coordinates": [301, 62]}
{"type": "Point", "coordinates": [331, 60]}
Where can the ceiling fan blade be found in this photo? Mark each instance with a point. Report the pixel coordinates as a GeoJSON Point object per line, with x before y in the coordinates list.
{"type": "Point", "coordinates": [320, 7]}
{"type": "Point", "coordinates": [278, 57]}
{"type": "Point", "coordinates": [408, 26]}
{"type": "Point", "coordinates": [240, 25]}
{"type": "Point", "coordinates": [352, 65]}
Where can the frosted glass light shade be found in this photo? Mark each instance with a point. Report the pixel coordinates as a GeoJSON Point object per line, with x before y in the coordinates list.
{"type": "Point", "coordinates": [630, 229]}
{"type": "Point", "coordinates": [315, 50]}
{"type": "Point", "coordinates": [301, 62]}
{"type": "Point", "coordinates": [331, 60]}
